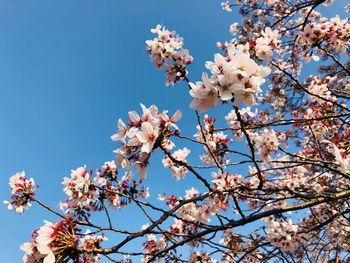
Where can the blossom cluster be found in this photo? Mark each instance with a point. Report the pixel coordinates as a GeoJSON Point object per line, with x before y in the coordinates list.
{"type": "Point", "coordinates": [145, 133]}
{"type": "Point", "coordinates": [57, 242]}
{"type": "Point", "coordinates": [247, 116]}
{"type": "Point", "coordinates": [81, 192]}
{"type": "Point", "coordinates": [265, 44]}
{"type": "Point", "coordinates": [332, 35]}
{"type": "Point", "coordinates": [178, 170]}
{"type": "Point", "coordinates": [283, 234]}
{"type": "Point", "coordinates": [22, 190]}
{"type": "Point", "coordinates": [300, 179]}
{"type": "Point", "coordinates": [51, 242]}
{"type": "Point", "coordinates": [339, 156]}
{"type": "Point", "coordinates": [195, 212]}
{"type": "Point", "coordinates": [90, 242]}
{"type": "Point", "coordinates": [215, 142]}
{"type": "Point", "coordinates": [226, 181]}
{"type": "Point", "coordinates": [236, 244]}
{"type": "Point", "coordinates": [266, 143]}
{"type": "Point", "coordinates": [86, 193]}
{"type": "Point", "coordinates": [166, 51]}
{"type": "Point", "coordinates": [320, 129]}
{"type": "Point", "coordinates": [197, 257]}
{"type": "Point", "coordinates": [152, 245]}
{"type": "Point", "coordinates": [337, 231]}
{"type": "Point", "coordinates": [226, 6]}
{"type": "Point", "coordinates": [318, 89]}
{"type": "Point", "coordinates": [235, 76]}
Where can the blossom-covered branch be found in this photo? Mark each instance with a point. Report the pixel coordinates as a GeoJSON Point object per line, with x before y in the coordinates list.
{"type": "Point", "coordinates": [273, 184]}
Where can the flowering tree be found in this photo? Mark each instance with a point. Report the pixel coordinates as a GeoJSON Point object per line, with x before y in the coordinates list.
{"type": "Point", "coordinates": [281, 165]}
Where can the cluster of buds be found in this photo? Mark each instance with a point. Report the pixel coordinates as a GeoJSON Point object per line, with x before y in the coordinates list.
{"type": "Point", "coordinates": [22, 190]}
{"type": "Point", "coordinates": [166, 52]}
{"type": "Point", "coordinates": [145, 133]}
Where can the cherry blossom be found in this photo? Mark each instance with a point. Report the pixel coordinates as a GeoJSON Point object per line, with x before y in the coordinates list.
{"type": "Point", "coordinates": [147, 132]}
{"type": "Point", "coordinates": [51, 242]}
{"type": "Point", "coordinates": [266, 43]}
{"type": "Point", "coordinates": [205, 95]}
{"type": "Point", "coordinates": [226, 6]}
{"type": "Point", "coordinates": [235, 77]}
{"type": "Point", "coordinates": [283, 234]}
{"type": "Point", "coordinates": [166, 52]}
{"type": "Point", "coordinates": [22, 190]}
{"type": "Point", "coordinates": [267, 143]}
{"type": "Point", "coordinates": [89, 241]}
{"type": "Point", "coordinates": [178, 170]}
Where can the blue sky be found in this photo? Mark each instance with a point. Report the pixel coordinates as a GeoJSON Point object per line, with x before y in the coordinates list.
{"type": "Point", "coordinates": [68, 71]}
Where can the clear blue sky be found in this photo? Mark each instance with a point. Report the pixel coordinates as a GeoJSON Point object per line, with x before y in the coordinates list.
{"type": "Point", "coordinates": [68, 71]}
